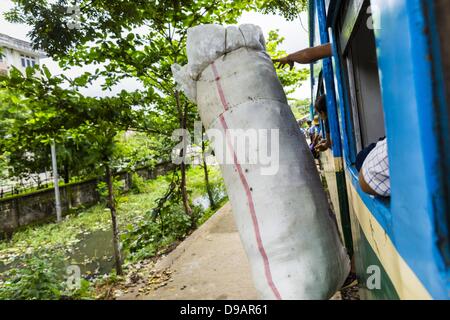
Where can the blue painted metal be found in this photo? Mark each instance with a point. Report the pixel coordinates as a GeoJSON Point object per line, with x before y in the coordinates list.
{"type": "Point", "coordinates": [311, 10]}
{"type": "Point", "coordinates": [402, 52]}
{"type": "Point", "coordinates": [315, 68]}
{"type": "Point", "coordinates": [311, 44]}
{"type": "Point", "coordinates": [349, 150]}
{"type": "Point", "coordinates": [380, 208]}
{"type": "Point", "coordinates": [437, 123]}
{"type": "Point", "coordinates": [329, 84]}
{"type": "Point", "coordinates": [412, 92]}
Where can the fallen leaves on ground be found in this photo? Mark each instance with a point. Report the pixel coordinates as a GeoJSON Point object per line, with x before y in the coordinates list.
{"type": "Point", "coordinates": [140, 279]}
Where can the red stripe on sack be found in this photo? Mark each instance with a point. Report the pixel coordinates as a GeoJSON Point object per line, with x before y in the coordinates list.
{"type": "Point", "coordinates": [248, 193]}
{"type": "Point", "coordinates": [219, 86]}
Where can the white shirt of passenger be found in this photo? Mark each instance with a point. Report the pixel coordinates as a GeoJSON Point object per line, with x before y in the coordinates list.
{"type": "Point", "coordinates": [375, 170]}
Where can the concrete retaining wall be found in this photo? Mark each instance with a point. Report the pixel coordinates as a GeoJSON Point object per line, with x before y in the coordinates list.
{"type": "Point", "coordinates": [39, 206]}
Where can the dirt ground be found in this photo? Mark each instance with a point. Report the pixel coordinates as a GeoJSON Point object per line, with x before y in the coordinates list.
{"type": "Point", "coordinates": [210, 264]}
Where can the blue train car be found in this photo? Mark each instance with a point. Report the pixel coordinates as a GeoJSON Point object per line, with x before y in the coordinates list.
{"type": "Point", "coordinates": [389, 77]}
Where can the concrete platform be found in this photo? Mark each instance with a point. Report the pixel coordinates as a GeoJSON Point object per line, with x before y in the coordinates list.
{"type": "Point", "coordinates": [210, 264]}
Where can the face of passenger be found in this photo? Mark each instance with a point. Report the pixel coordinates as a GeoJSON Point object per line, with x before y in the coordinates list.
{"type": "Point", "coordinates": [320, 108]}
{"type": "Point", "coordinates": [321, 114]}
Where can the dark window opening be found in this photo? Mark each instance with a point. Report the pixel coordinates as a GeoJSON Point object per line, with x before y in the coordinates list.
{"type": "Point", "coordinates": [27, 61]}
{"type": "Point", "coordinates": [324, 125]}
{"type": "Point", "coordinates": [363, 80]}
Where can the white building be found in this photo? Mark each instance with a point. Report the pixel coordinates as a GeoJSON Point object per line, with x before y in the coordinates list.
{"type": "Point", "coordinates": [20, 54]}
{"type": "Point", "coordinates": [17, 53]}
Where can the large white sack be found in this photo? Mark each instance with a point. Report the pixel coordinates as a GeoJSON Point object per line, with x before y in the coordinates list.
{"type": "Point", "coordinates": [184, 82]}
{"type": "Point", "coordinates": [283, 216]}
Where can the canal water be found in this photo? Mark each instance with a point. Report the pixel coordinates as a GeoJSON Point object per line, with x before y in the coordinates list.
{"type": "Point", "coordinates": [94, 253]}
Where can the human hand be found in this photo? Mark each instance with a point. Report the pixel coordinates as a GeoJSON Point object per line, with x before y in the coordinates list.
{"type": "Point", "coordinates": [322, 146]}
{"type": "Point", "coordinates": [316, 139]}
{"type": "Point", "coordinates": [284, 61]}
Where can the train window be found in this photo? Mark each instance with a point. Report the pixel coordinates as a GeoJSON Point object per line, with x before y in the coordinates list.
{"type": "Point", "coordinates": [319, 92]}
{"type": "Point", "coordinates": [363, 80]}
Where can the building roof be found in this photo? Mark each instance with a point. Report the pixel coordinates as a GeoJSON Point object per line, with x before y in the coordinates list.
{"type": "Point", "coordinates": [19, 45]}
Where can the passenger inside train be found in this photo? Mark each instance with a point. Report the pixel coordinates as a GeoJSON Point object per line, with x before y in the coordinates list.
{"type": "Point", "coordinates": [374, 177]}
{"type": "Point", "coordinates": [372, 161]}
{"type": "Point", "coordinates": [314, 135]}
{"type": "Point", "coordinates": [320, 107]}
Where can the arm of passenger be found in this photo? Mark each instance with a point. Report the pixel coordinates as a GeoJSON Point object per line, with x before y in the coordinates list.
{"type": "Point", "coordinates": [316, 139]}
{"type": "Point", "coordinates": [324, 145]}
{"type": "Point", "coordinates": [306, 56]}
{"type": "Point", "coordinates": [364, 186]}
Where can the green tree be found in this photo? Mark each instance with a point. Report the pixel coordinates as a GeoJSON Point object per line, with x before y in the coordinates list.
{"type": "Point", "coordinates": [146, 56]}
{"type": "Point", "coordinates": [288, 9]}
{"type": "Point", "coordinates": [135, 150]}
{"type": "Point", "coordinates": [27, 103]}
{"type": "Point", "coordinates": [49, 113]}
{"type": "Point", "coordinates": [290, 79]}
{"type": "Point", "coordinates": [137, 39]}
{"type": "Point", "coordinates": [301, 108]}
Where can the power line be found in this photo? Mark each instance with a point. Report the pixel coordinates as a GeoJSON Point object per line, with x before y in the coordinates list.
{"type": "Point", "coordinates": [301, 23]}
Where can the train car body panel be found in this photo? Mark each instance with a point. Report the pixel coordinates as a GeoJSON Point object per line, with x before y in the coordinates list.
{"type": "Point", "coordinates": [376, 246]}
{"type": "Point", "coordinates": [332, 159]}
{"type": "Point", "coordinates": [400, 85]}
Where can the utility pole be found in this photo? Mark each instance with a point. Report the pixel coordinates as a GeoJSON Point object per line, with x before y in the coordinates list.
{"type": "Point", "coordinates": [56, 183]}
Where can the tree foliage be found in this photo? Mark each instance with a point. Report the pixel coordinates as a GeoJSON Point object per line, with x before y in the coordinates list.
{"type": "Point", "coordinates": [300, 108]}
{"type": "Point", "coordinates": [126, 39]}
{"type": "Point", "coordinates": [290, 79]}
{"type": "Point", "coordinates": [288, 9]}
{"type": "Point", "coordinates": [36, 111]}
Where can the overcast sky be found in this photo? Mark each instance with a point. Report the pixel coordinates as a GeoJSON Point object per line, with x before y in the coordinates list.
{"type": "Point", "coordinates": [296, 39]}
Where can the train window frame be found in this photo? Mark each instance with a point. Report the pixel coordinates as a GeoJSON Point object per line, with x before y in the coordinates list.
{"type": "Point", "coordinates": [363, 85]}
{"type": "Point", "coordinates": [365, 88]}
{"type": "Point", "coordinates": [363, 78]}
{"type": "Point", "coordinates": [318, 92]}
{"type": "Point", "coordinates": [343, 33]}
{"type": "Point", "coordinates": [353, 107]}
